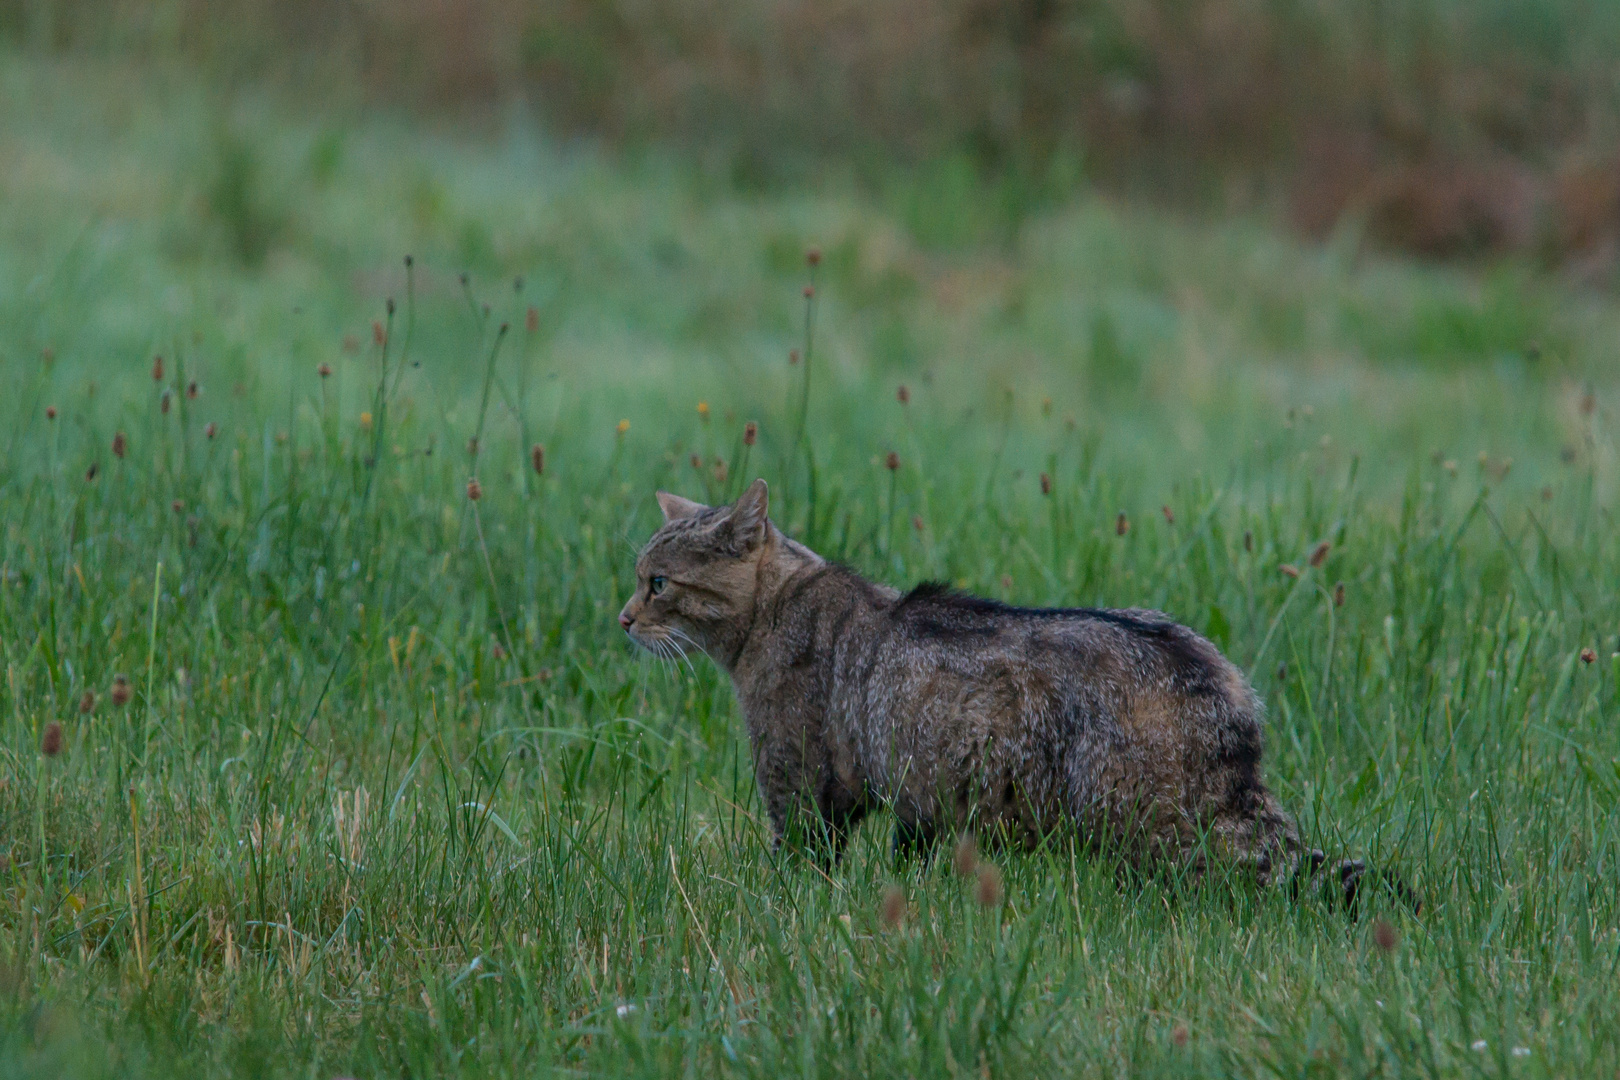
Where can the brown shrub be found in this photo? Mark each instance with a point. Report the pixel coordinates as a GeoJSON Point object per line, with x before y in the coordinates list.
{"type": "Point", "coordinates": [1441, 124]}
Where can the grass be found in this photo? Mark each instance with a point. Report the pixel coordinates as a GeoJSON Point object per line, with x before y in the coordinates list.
{"type": "Point", "coordinates": [391, 795]}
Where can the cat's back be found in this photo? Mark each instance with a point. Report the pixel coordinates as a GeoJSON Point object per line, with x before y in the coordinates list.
{"type": "Point", "coordinates": [1133, 645]}
{"type": "Point", "coordinates": [1059, 707]}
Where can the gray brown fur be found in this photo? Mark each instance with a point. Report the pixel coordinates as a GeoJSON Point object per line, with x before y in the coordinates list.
{"type": "Point", "coordinates": [959, 712]}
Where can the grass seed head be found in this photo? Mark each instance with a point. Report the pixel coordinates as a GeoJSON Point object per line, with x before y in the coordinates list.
{"type": "Point", "coordinates": [703, 411]}
{"type": "Point", "coordinates": [178, 506]}
{"type": "Point", "coordinates": [750, 433]}
{"type": "Point", "coordinates": [1046, 484]}
{"type": "Point", "coordinates": [324, 371]}
{"type": "Point", "coordinates": [537, 459]}
{"type": "Point", "coordinates": [793, 357]}
{"type": "Point", "coordinates": [965, 859]}
{"type": "Point", "coordinates": [211, 430]}
{"type": "Point", "coordinates": [192, 390]}
{"type": "Point", "coordinates": [1169, 515]}
{"type": "Point", "coordinates": [90, 473]}
{"type": "Point", "coordinates": [917, 522]}
{"type": "Point", "coordinates": [1320, 553]}
{"type": "Point", "coordinates": [624, 426]}
{"type": "Point", "coordinates": [988, 891]}
{"type": "Point", "coordinates": [892, 461]}
{"type": "Point", "coordinates": [720, 470]}
{"type": "Point", "coordinates": [809, 292]}
{"type": "Point", "coordinates": [813, 257]}
{"type": "Point", "coordinates": [475, 490]}
{"type": "Point", "coordinates": [378, 334]}
{"type": "Point", "coordinates": [1179, 1035]}
{"type": "Point", "coordinates": [50, 412]}
{"type": "Point", "coordinates": [1588, 655]}
{"type": "Point", "coordinates": [157, 369]}
{"type": "Point", "coordinates": [1248, 540]}
{"type": "Point", "coordinates": [163, 403]}
{"type": "Point", "coordinates": [1338, 595]}
{"type": "Point", "coordinates": [1282, 671]}
{"type": "Point", "coordinates": [1385, 936]}
{"type": "Point", "coordinates": [893, 909]}
{"type": "Point", "coordinates": [1122, 524]}
{"type": "Point", "coordinates": [50, 743]}
{"type": "Point", "coordinates": [531, 320]}
{"type": "Point", "coordinates": [903, 394]}
{"type": "Point", "coordinates": [1289, 570]}
{"type": "Point", "coordinates": [120, 444]}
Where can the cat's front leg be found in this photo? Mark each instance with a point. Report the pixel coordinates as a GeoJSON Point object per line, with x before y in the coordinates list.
{"type": "Point", "coordinates": [799, 825]}
{"type": "Point", "coordinates": [914, 840]}
{"type": "Point", "coordinates": [811, 812]}
{"type": "Point", "coordinates": [779, 772]}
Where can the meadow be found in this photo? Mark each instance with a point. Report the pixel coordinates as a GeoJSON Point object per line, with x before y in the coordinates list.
{"type": "Point", "coordinates": [352, 773]}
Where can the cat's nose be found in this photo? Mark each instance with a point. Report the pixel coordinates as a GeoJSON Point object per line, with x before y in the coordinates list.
{"type": "Point", "coordinates": [625, 620]}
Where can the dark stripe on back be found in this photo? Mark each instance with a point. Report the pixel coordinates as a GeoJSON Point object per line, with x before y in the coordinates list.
{"type": "Point", "coordinates": [937, 611]}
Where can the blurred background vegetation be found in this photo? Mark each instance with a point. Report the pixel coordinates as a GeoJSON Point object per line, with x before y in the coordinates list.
{"type": "Point", "coordinates": [1442, 127]}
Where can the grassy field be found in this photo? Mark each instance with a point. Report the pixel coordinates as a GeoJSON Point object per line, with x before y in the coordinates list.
{"type": "Point", "coordinates": [358, 777]}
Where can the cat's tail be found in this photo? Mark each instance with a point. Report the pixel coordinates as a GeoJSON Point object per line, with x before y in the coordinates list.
{"type": "Point", "coordinates": [1268, 835]}
{"type": "Point", "coordinates": [1346, 881]}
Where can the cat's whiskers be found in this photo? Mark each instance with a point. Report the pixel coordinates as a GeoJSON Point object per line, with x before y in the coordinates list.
{"type": "Point", "coordinates": [665, 647]}
{"type": "Point", "coordinates": [686, 654]}
{"type": "Point", "coordinates": [676, 655]}
{"type": "Point", "coordinates": [651, 646]}
{"type": "Point", "coordinates": [677, 632]}
{"type": "Point", "coordinates": [661, 649]}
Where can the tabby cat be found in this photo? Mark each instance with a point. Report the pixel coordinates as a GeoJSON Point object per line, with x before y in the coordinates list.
{"type": "Point", "coordinates": [962, 713]}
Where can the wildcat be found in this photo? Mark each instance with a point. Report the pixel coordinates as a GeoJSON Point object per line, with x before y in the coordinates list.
{"type": "Point", "coordinates": [962, 713]}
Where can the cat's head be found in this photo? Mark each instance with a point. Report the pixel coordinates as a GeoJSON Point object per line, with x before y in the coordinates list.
{"type": "Point", "coordinates": [697, 577]}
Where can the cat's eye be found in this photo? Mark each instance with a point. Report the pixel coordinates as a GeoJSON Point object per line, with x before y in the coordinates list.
{"type": "Point", "coordinates": [656, 583]}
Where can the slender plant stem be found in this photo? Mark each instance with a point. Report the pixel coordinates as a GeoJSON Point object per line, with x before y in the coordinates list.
{"type": "Point", "coordinates": [151, 660]}
{"type": "Point", "coordinates": [809, 355]}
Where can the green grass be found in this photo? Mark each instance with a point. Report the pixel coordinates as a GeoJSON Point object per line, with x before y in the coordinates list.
{"type": "Point", "coordinates": [392, 794]}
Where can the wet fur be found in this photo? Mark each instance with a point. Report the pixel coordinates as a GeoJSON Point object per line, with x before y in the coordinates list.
{"type": "Point", "coordinates": [958, 712]}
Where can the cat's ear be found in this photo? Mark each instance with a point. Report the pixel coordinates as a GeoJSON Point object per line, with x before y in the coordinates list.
{"type": "Point", "coordinates": [747, 518]}
{"type": "Point", "coordinates": [676, 507]}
